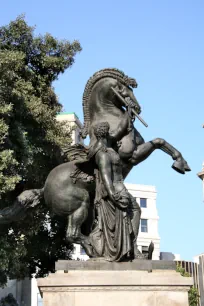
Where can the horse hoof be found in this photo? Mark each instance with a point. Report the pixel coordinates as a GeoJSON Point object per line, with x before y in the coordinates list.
{"type": "Point", "coordinates": [179, 166]}
{"type": "Point", "coordinates": [186, 167]}
{"type": "Point", "coordinates": [87, 247]}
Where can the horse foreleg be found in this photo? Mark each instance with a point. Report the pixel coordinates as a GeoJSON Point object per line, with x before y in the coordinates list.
{"type": "Point", "coordinates": [180, 164]}
{"type": "Point", "coordinates": [145, 149]}
{"type": "Point", "coordinates": [141, 153]}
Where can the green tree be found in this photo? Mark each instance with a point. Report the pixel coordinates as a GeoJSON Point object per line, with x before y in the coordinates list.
{"type": "Point", "coordinates": [31, 142]}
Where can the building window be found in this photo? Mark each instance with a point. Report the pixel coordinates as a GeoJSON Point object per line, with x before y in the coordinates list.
{"type": "Point", "coordinates": [143, 203]}
{"type": "Point", "coordinates": [82, 251]}
{"type": "Point", "coordinates": [145, 250]}
{"type": "Point", "coordinates": [144, 228]}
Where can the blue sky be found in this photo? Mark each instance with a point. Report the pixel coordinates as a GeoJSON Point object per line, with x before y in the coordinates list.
{"type": "Point", "coordinates": [161, 44]}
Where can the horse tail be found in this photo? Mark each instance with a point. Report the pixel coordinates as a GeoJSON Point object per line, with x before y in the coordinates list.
{"type": "Point", "coordinates": [18, 211]}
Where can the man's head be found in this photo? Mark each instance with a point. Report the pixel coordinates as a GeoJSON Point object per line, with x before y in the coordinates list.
{"type": "Point", "coordinates": [101, 130]}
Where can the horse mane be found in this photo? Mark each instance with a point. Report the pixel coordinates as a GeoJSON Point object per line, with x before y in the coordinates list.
{"type": "Point", "coordinates": [104, 73]}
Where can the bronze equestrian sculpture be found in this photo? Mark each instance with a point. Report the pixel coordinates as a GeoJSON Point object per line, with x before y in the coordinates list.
{"type": "Point", "coordinates": [70, 188]}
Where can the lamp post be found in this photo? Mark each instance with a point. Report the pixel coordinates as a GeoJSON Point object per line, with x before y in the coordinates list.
{"type": "Point", "coordinates": [201, 175]}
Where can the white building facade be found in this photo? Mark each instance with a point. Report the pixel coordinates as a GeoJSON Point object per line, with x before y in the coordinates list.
{"type": "Point", "coordinates": [72, 121]}
{"type": "Point", "coordinates": [146, 197]}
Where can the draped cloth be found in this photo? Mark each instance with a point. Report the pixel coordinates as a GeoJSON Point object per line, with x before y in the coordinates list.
{"type": "Point", "coordinates": [111, 237]}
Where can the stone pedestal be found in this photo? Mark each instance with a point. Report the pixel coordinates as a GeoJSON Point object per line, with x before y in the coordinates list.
{"type": "Point", "coordinates": [111, 284]}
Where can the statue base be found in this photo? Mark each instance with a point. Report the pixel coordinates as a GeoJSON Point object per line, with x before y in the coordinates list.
{"type": "Point", "coordinates": [91, 283]}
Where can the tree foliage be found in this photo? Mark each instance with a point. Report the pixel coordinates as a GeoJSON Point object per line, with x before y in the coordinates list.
{"type": "Point", "coordinates": [31, 141]}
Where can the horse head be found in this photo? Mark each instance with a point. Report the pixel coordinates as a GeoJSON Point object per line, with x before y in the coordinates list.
{"type": "Point", "coordinates": [106, 95]}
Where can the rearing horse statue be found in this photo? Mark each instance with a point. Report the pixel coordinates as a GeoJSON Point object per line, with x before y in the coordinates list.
{"type": "Point", "coordinates": [100, 103]}
{"type": "Point", "coordinates": [69, 190]}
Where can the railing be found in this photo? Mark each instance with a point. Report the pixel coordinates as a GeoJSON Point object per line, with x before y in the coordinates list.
{"type": "Point", "coordinates": [196, 271]}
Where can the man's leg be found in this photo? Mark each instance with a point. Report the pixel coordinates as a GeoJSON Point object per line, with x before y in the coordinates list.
{"type": "Point", "coordinates": [135, 214]}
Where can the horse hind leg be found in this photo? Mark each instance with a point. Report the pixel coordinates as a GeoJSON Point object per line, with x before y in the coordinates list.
{"type": "Point", "coordinates": [76, 219]}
